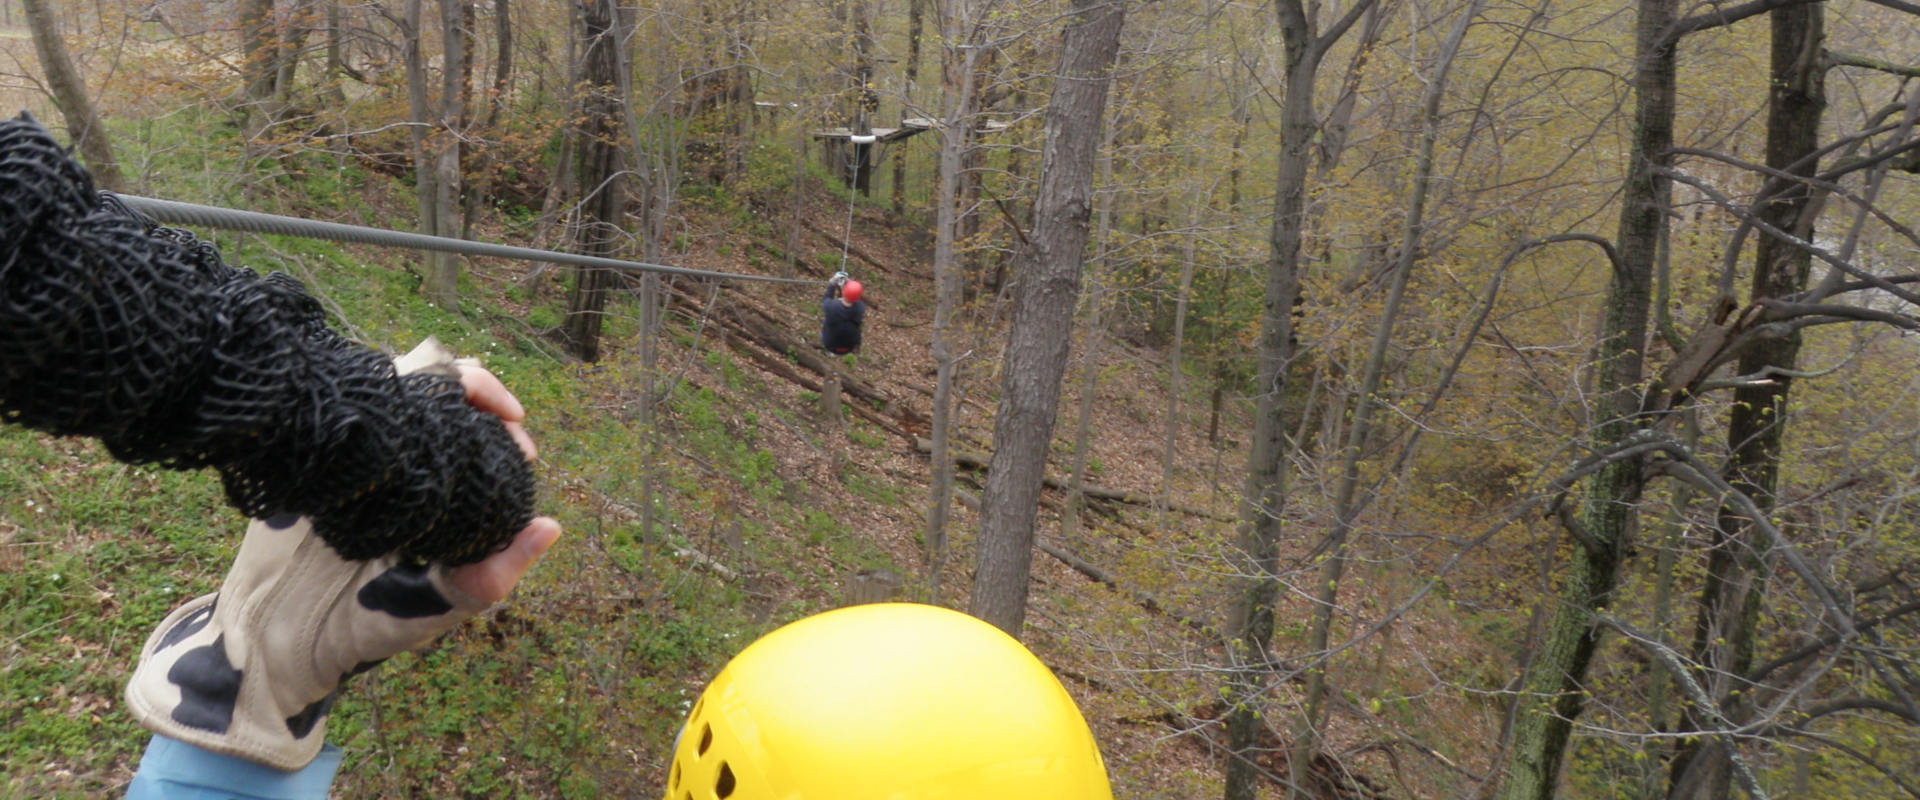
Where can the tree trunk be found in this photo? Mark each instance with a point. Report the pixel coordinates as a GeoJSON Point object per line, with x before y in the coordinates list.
{"type": "Point", "coordinates": [423, 132]}
{"type": "Point", "coordinates": [1236, 154]}
{"type": "Point", "coordinates": [1553, 691]}
{"type": "Point", "coordinates": [442, 283]}
{"type": "Point", "coordinates": [1249, 659]}
{"type": "Point", "coordinates": [796, 200]}
{"type": "Point", "coordinates": [1096, 333]}
{"type": "Point", "coordinates": [1049, 269]}
{"type": "Point", "coordinates": [1339, 121]}
{"type": "Point", "coordinates": [598, 175]}
{"type": "Point", "coordinates": [655, 170]}
{"type": "Point", "coordinates": [742, 86]}
{"type": "Point", "coordinates": [956, 136]}
{"type": "Point", "coordinates": [556, 206]}
{"type": "Point", "coordinates": [70, 94]}
{"type": "Point", "coordinates": [652, 178]}
{"type": "Point", "coordinates": [258, 47]}
{"type": "Point", "coordinates": [916, 13]}
{"type": "Point", "coordinates": [1175, 371]}
{"type": "Point", "coordinates": [292, 40]}
{"type": "Point", "coordinates": [1729, 608]}
{"type": "Point", "coordinates": [652, 304]}
{"type": "Point", "coordinates": [336, 69]}
{"type": "Point", "coordinates": [1346, 505]}
{"type": "Point", "coordinates": [1250, 623]}
{"type": "Point", "coordinates": [475, 159]}
{"type": "Point", "coordinates": [502, 61]}
{"type": "Point", "coordinates": [972, 175]}
{"type": "Point", "coordinates": [1660, 682]}
{"type": "Point", "coordinates": [866, 101]}
{"type": "Point", "coordinates": [460, 24]}
{"type": "Point", "coordinates": [1214, 404]}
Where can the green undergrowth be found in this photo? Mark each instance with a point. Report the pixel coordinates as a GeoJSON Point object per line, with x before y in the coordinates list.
{"type": "Point", "coordinates": [575, 685]}
{"type": "Point", "coordinates": [94, 554]}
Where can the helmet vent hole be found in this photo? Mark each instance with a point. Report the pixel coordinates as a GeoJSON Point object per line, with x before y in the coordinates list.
{"type": "Point", "coordinates": [723, 787]}
{"type": "Point", "coordinates": [673, 781]}
{"type": "Point", "coordinates": [706, 739]}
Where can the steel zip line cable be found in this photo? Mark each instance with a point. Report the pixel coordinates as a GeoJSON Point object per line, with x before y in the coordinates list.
{"type": "Point", "coordinates": [189, 214]}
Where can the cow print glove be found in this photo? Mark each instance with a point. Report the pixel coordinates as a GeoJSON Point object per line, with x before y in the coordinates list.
{"type": "Point", "coordinates": [252, 670]}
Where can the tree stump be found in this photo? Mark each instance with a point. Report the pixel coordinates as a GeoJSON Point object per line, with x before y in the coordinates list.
{"type": "Point", "coordinates": [873, 586]}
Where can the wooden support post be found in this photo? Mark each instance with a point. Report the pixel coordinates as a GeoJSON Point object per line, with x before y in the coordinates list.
{"type": "Point", "coordinates": [836, 422]}
{"type": "Point", "coordinates": [830, 399]}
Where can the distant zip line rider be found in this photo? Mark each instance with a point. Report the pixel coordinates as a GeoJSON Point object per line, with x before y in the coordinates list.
{"type": "Point", "coordinates": [886, 701]}
{"type": "Point", "coordinates": [841, 315]}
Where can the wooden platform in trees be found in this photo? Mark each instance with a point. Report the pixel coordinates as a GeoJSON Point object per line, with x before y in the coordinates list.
{"type": "Point", "coordinates": [908, 127]}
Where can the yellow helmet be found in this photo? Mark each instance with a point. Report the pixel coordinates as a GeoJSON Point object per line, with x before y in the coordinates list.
{"type": "Point", "coordinates": [890, 701]}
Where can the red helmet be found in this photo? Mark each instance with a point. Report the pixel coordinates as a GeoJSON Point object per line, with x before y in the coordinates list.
{"type": "Point", "coordinates": [851, 291]}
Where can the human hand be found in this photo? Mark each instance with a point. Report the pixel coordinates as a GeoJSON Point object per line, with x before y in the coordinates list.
{"type": "Point", "coordinates": [253, 670]}
{"type": "Point", "coordinates": [491, 579]}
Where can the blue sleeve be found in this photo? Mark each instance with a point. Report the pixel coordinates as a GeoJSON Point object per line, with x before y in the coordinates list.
{"type": "Point", "coordinates": [175, 770]}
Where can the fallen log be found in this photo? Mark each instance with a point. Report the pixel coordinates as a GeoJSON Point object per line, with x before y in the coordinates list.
{"type": "Point", "coordinates": [852, 249]}
{"type": "Point", "coordinates": [781, 369]}
{"type": "Point", "coordinates": [759, 327]}
{"type": "Point", "coordinates": [711, 564]}
{"type": "Point", "coordinates": [1146, 601]}
{"type": "Point", "coordinates": [967, 399]}
{"type": "Point", "coordinates": [768, 334]}
{"type": "Point", "coordinates": [979, 461]}
{"type": "Point", "coordinates": [1094, 573]}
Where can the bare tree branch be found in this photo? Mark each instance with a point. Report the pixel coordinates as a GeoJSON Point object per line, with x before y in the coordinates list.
{"type": "Point", "coordinates": [1784, 180]}
{"type": "Point", "coordinates": [1890, 577]}
{"type": "Point", "coordinates": [1687, 468]}
{"type": "Point", "coordinates": [1855, 286]}
{"type": "Point", "coordinates": [1851, 60]}
{"type": "Point", "coordinates": [1890, 774]}
{"type": "Point", "coordinates": [1818, 252]}
{"type": "Point", "coordinates": [1845, 704]}
{"type": "Point", "coordinates": [1815, 647]}
{"type": "Point", "coordinates": [1720, 17]}
{"type": "Point", "coordinates": [1782, 309]}
{"type": "Point", "coordinates": [1898, 5]}
{"type": "Point", "coordinates": [1677, 667]}
{"type": "Point", "coordinates": [1766, 375]}
{"type": "Point", "coordinates": [1579, 532]}
{"type": "Point", "coordinates": [1826, 181]}
{"type": "Point", "coordinates": [1472, 333]}
{"type": "Point", "coordinates": [1340, 26]}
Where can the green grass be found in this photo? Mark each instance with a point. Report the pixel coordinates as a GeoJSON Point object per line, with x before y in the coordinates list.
{"type": "Point", "coordinates": [100, 552]}
{"type": "Point", "coordinates": [866, 437]}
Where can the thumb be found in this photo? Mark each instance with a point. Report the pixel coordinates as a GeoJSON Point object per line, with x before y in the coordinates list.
{"type": "Point", "coordinates": [492, 579]}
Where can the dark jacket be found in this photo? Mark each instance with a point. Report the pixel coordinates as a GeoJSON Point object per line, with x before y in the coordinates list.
{"type": "Point", "coordinates": [840, 323]}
